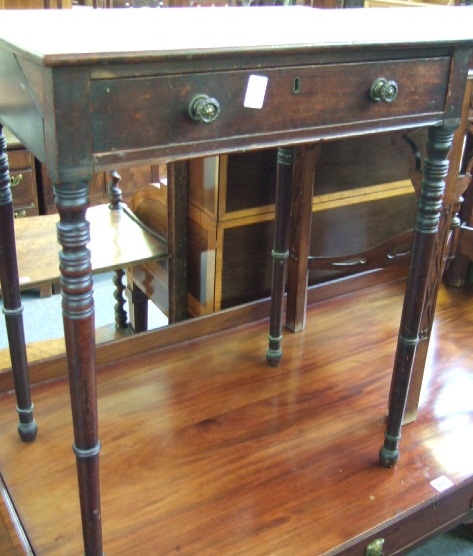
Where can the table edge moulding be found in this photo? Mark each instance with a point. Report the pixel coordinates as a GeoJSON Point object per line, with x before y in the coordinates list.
{"type": "Point", "coordinates": [83, 100]}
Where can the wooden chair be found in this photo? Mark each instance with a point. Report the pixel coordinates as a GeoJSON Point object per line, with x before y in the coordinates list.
{"type": "Point", "coordinates": [149, 280]}
{"type": "Point", "coordinates": [462, 244]}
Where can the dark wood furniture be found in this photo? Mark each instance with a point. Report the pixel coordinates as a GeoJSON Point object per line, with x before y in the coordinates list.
{"type": "Point", "coordinates": [363, 197]}
{"type": "Point", "coordinates": [131, 178]}
{"type": "Point", "coordinates": [135, 96]}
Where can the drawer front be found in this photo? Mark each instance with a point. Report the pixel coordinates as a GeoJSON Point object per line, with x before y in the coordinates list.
{"type": "Point", "coordinates": [24, 194]}
{"type": "Point", "coordinates": [423, 522]}
{"type": "Point", "coordinates": [19, 159]}
{"type": "Point", "coordinates": [135, 113]}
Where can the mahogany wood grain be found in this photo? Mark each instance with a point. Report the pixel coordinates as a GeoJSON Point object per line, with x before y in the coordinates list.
{"type": "Point", "coordinates": [49, 362]}
{"type": "Point", "coordinates": [208, 451]}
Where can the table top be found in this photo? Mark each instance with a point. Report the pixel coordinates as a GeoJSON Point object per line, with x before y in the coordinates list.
{"type": "Point", "coordinates": [105, 88]}
{"type": "Point", "coordinates": [90, 36]}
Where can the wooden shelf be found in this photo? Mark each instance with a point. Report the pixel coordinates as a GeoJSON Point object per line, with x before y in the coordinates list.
{"type": "Point", "coordinates": [117, 241]}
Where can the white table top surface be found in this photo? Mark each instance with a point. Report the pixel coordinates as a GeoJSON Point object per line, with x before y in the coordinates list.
{"type": "Point", "coordinates": [150, 33]}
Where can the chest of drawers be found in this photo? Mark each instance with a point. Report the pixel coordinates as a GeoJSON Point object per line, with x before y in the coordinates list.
{"type": "Point", "coordinates": [23, 174]}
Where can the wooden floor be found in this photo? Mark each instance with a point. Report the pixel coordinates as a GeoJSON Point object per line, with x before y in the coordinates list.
{"type": "Point", "coordinates": [207, 451]}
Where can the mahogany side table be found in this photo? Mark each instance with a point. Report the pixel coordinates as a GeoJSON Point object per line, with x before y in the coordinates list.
{"type": "Point", "coordinates": [213, 81]}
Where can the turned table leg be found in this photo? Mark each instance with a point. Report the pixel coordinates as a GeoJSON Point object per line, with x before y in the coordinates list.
{"type": "Point", "coordinates": [79, 332]}
{"type": "Point", "coordinates": [280, 253]}
{"type": "Point", "coordinates": [12, 307]}
{"type": "Point", "coordinates": [425, 236]}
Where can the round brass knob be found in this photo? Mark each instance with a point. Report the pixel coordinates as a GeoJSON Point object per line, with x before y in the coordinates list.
{"type": "Point", "coordinates": [204, 109]}
{"type": "Point", "coordinates": [383, 90]}
{"type": "Point", "coordinates": [16, 180]}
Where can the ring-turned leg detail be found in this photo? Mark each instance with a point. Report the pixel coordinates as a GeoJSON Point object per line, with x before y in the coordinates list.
{"type": "Point", "coordinates": [423, 250]}
{"type": "Point", "coordinates": [79, 331]}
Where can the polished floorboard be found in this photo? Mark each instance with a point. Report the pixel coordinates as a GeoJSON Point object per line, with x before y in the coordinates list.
{"type": "Point", "coordinates": [207, 451]}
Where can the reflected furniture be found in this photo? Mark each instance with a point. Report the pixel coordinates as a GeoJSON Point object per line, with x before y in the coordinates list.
{"type": "Point", "coordinates": [81, 101]}
{"type": "Point", "coordinates": [362, 198]}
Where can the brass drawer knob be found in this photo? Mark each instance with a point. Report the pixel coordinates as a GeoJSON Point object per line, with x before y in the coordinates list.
{"type": "Point", "coordinates": [204, 109]}
{"type": "Point", "coordinates": [375, 548]}
{"type": "Point", "coordinates": [16, 180]}
{"type": "Point", "coordinates": [383, 90]}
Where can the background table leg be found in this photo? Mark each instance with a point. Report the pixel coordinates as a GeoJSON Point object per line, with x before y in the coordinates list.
{"type": "Point", "coordinates": [12, 307]}
{"type": "Point", "coordinates": [285, 170]}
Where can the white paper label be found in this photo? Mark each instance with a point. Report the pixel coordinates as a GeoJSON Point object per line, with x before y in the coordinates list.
{"type": "Point", "coordinates": [255, 91]}
{"type": "Point", "coordinates": [441, 483]}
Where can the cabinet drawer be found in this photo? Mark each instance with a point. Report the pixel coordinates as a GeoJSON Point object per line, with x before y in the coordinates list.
{"type": "Point", "coordinates": [24, 194]}
{"type": "Point", "coordinates": [296, 98]}
{"type": "Point", "coordinates": [421, 523]}
{"type": "Point", "coordinates": [19, 159]}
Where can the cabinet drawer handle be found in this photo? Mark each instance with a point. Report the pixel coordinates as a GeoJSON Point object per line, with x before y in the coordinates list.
{"type": "Point", "coordinates": [19, 214]}
{"type": "Point", "coordinates": [375, 548]}
{"type": "Point", "coordinates": [16, 180]}
{"type": "Point", "coordinates": [204, 109]}
{"type": "Point", "coordinates": [383, 90]}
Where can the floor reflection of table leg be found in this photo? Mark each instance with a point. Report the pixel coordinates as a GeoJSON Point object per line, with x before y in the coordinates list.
{"type": "Point", "coordinates": [12, 307]}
